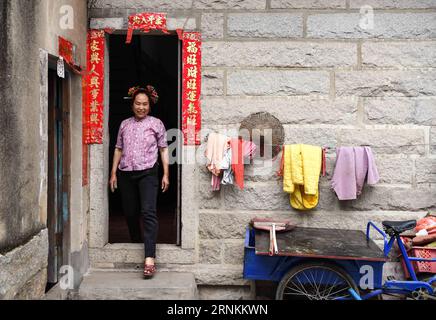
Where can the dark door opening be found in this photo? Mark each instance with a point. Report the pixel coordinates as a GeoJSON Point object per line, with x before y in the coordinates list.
{"type": "Point", "coordinates": [148, 60]}
{"type": "Point", "coordinates": [58, 180]}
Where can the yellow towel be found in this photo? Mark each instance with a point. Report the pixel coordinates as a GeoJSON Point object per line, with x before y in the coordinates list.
{"type": "Point", "coordinates": [301, 171]}
{"type": "Point", "coordinates": [297, 165]}
{"type": "Point", "coordinates": [288, 185]}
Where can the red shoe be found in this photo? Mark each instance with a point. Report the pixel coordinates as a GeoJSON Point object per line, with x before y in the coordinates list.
{"type": "Point", "coordinates": [149, 271]}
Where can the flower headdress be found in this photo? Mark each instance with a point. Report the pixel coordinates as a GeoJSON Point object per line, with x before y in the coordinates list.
{"type": "Point", "coordinates": [150, 89]}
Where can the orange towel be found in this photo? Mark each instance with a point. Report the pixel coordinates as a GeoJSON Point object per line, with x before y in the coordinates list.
{"type": "Point", "coordinates": [237, 162]}
{"type": "Point", "coordinates": [240, 149]}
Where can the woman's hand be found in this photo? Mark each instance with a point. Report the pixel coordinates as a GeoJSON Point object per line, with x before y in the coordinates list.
{"type": "Point", "coordinates": [165, 183]}
{"type": "Point", "coordinates": [113, 183]}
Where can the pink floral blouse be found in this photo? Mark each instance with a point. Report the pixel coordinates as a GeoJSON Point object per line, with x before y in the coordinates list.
{"type": "Point", "coordinates": [140, 140]}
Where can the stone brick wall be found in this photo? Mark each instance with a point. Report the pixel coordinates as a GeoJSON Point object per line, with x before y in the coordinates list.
{"type": "Point", "coordinates": [329, 82]}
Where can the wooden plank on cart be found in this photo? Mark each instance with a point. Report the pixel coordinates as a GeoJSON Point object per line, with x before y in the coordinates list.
{"type": "Point", "coordinates": [322, 243]}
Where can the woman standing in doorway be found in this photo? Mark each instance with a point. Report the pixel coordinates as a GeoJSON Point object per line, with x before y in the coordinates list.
{"type": "Point", "coordinates": [135, 170]}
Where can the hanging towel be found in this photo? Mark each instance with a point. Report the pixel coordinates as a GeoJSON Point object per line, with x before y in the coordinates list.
{"type": "Point", "coordinates": [226, 165]}
{"type": "Point", "coordinates": [288, 185]}
{"type": "Point", "coordinates": [354, 165]}
{"type": "Point", "coordinates": [217, 144]}
{"type": "Point", "coordinates": [240, 150]}
{"type": "Point", "coordinates": [301, 170]}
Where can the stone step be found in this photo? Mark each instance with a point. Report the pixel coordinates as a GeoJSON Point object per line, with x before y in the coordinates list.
{"type": "Point", "coordinates": [120, 255]}
{"type": "Point", "coordinates": [130, 285]}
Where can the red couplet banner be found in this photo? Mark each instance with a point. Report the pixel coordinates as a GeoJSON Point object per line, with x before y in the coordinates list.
{"type": "Point", "coordinates": [191, 88]}
{"type": "Point", "coordinates": [93, 88]}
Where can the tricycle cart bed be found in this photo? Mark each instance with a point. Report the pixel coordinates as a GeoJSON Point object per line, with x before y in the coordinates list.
{"type": "Point", "coordinates": [321, 243]}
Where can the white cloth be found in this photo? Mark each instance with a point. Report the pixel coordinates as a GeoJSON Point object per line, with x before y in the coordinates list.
{"type": "Point", "coordinates": [226, 166]}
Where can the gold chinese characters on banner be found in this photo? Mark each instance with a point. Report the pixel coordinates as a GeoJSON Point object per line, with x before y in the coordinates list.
{"type": "Point", "coordinates": [146, 22]}
{"type": "Point", "coordinates": [191, 87]}
{"type": "Point", "coordinates": [94, 88]}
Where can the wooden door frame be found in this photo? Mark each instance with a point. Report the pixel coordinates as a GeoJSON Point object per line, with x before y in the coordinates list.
{"type": "Point", "coordinates": [179, 203]}
{"type": "Point", "coordinates": [99, 156]}
{"type": "Point", "coordinates": [63, 212]}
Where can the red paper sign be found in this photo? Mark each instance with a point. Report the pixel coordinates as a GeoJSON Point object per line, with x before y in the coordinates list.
{"type": "Point", "coordinates": [66, 51]}
{"type": "Point", "coordinates": [94, 88]}
{"type": "Point", "coordinates": [146, 22]}
{"type": "Point", "coordinates": [191, 88]}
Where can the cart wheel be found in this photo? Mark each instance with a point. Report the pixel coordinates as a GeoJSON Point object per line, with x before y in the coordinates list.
{"type": "Point", "coordinates": [316, 281]}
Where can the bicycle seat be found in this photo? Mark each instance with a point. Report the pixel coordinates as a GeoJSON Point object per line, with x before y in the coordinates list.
{"type": "Point", "coordinates": [397, 227]}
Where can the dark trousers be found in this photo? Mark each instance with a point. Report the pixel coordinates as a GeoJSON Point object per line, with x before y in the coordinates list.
{"type": "Point", "coordinates": [139, 190]}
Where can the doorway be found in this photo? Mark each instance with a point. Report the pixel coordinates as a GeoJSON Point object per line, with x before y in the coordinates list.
{"type": "Point", "coordinates": [149, 60]}
{"type": "Point", "coordinates": [58, 180]}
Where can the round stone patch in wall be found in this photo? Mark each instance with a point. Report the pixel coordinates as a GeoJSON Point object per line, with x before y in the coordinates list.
{"type": "Point", "coordinates": [266, 131]}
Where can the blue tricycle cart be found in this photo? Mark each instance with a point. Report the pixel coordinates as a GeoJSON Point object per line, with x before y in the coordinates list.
{"type": "Point", "coordinates": [331, 264]}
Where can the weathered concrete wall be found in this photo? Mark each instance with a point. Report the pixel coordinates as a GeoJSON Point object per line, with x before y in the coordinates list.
{"type": "Point", "coordinates": [26, 28]}
{"type": "Point", "coordinates": [329, 82]}
{"type": "Point", "coordinates": [19, 214]}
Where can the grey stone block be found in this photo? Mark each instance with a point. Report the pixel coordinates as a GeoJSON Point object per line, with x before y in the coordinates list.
{"type": "Point", "coordinates": [221, 275]}
{"type": "Point", "coordinates": [185, 23]}
{"type": "Point", "coordinates": [279, 54]}
{"type": "Point", "coordinates": [212, 82]}
{"type": "Point", "coordinates": [387, 83]}
{"type": "Point", "coordinates": [394, 169]}
{"type": "Point", "coordinates": [265, 25]}
{"type": "Point", "coordinates": [394, 4]}
{"type": "Point", "coordinates": [389, 141]}
{"type": "Point", "coordinates": [425, 170]}
{"type": "Point", "coordinates": [230, 4]}
{"type": "Point", "coordinates": [416, 54]}
{"type": "Point", "coordinates": [288, 110]}
{"type": "Point", "coordinates": [386, 25]}
{"type": "Point", "coordinates": [134, 254]}
{"type": "Point", "coordinates": [308, 4]}
{"type": "Point", "coordinates": [161, 5]}
{"type": "Point", "coordinates": [278, 82]}
{"type": "Point", "coordinates": [212, 25]}
{"type": "Point", "coordinates": [100, 285]}
{"type": "Point", "coordinates": [255, 196]}
{"type": "Point", "coordinates": [433, 139]}
{"type": "Point", "coordinates": [234, 252]}
{"type": "Point", "coordinates": [232, 224]}
{"type": "Point", "coordinates": [23, 269]}
{"type": "Point", "coordinates": [110, 4]}
{"type": "Point", "coordinates": [419, 111]}
{"type": "Point", "coordinates": [393, 198]}
{"type": "Point", "coordinates": [313, 135]}
{"type": "Point", "coordinates": [102, 23]}
{"type": "Point", "coordinates": [34, 288]}
{"type": "Point", "coordinates": [211, 252]}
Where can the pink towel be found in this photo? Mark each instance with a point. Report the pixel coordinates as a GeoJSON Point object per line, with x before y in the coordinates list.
{"type": "Point", "coordinates": [217, 144]}
{"type": "Point", "coordinates": [353, 166]}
